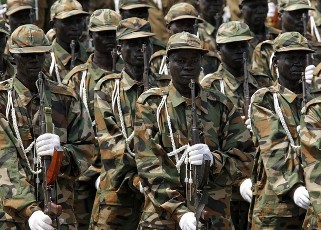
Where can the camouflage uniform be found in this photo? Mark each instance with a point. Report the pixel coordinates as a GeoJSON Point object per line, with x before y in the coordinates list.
{"type": "Point", "coordinates": [8, 68]}
{"type": "Point", "coordinates": [277, 171]}
{"type": "Point", "coordinates": [118, 202]}
{"type": "Point", "coordinates": [89, 74]}
{"type": "Point", "coordinates": [161, 175]}
{"type": "Point", "coordinates": [61, 63]}
{"type": "Point", "coordinates": [71, 123]}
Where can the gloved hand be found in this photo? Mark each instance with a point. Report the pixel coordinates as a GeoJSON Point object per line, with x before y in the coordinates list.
{"type": "Point", "coordinates": [40, 221]}
{"type": "Point", "coordinates": [272, 8]}
{"type": "Point", "coordinates": [309, 73]}
{"type": "Point", "coordinates": [301, 197]}
{"type": "Point", "coordinates": [196, 152]}
{"type": "Point", "coordinates": [188, 221]}
{"type": "Point", "coordinates": [45, 144]}
{"type": "Point", "coordinates": [141, 189]}
{"type": "Point", "coordinates": [246, 190]}
{"type": "Point", "coordinates": [248, 125]}
{"type": "Point", "coordinates": [97, 182]}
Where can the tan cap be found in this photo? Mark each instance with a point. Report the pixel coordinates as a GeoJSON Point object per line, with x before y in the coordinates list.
{"type": "Point", "coordinates": [133, 4]}
{"type": "Point", "coordinates": [104, 19]}
{"type": "Point", "coordinates": [181, 10]}
{"type": "Point", "coordinates": [291, 41]}
{"type": "Point", "coordinates": [233, 31]}
{"type": "Point", "coordinates": [14, 6]}
{"type": "Point", "coordinates": [291, 5]}
{"type": "Point", "coordinates": [131, 28]}
{"type": "Point", "coordinates": [66, 8]}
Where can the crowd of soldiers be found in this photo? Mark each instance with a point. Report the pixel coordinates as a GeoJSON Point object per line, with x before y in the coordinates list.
{"type": "Point", "coordinates": [160, 114]}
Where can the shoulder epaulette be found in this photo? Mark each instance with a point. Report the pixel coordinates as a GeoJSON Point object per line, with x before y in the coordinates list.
{"type": "Point", "coordinates": [6, 84]}
{"type": "Point", "coordinates": [159, 53]}
{"type": "Point", "coordinates": [106, 78]}
{"type": "Point", "coordinates": [152, 92]}
{"type": "Point", "coordinates": [72, 72]}
{"type": "Point", "coordinates": [57, 88]}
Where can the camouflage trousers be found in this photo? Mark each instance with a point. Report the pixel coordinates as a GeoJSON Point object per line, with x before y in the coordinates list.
{"type": "Point", "coordinates": [276, 222]}
{"type": "Point", "coordinates": [312, 220]}
{"type": "Point", "coordinates": [239, 213]}
{"type": "Point", "coordinates": [10, 225]}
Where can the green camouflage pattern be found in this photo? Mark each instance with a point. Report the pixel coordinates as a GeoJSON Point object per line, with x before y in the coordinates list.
{"type": "Point", "coordinates": [221, 128]}
{"type": "Point", "coordinates": [133, 28]}
{"type": "Point", "coordinates": [104, 19]}
{"type": "Point", "coordinates": [233, 31]}
{"type": "Point", "coordinates": [10, 70]}
{"type": "Point", "coordinates": [63, 59]}
{"type": "Point", "coordinates": [181, 10]}
{"type": "Point", "coordinates": [28, 38]}
{"type": "Point", "coordinates": [14, 6]}
{"type": "Point", "coordinates": [118, 202]}
{"type": "Point", "coordinates": [85, 190]}
{"type": "Point", "coordinates": [277, 170]}
{"type": "Point", "coordinates": [310, 148]}
{"type": "Point", "coordinates": [290, 5]}
{"type": "Point", "coordinates": [133, 4]}
{"type": "Point", "coordinates": [3, 28]}
{"type": "Point", "coordinates": [291, 41]}
{"type": "Point", "coordinates": [71, 124]}
{"type": "Point", "coordinates": [233, 87]}
{"type": "Point", "coordinates": [184, 40]}
{"type": "Point", "coordinates": [61, 9]}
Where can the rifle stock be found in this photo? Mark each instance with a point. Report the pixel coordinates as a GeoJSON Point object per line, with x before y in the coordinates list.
{"type": "Point", "coordinates": [246, 90]}
{"type": "Point", "coordinates": [73, 54]}
{"type": "Point", "coordinates": [114, 56]}
{"type": "Point", "coordinates": [146, 67]}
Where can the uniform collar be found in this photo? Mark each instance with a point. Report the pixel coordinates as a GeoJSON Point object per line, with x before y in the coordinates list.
{"type": "Point", "coordinates": [24, 93]}
{"type": "Point", "coordinates": [94, 70]}
{"type": "Point", "coordinates": [287, 94]}
{"type": "Point", "coordinates": [128, 82]}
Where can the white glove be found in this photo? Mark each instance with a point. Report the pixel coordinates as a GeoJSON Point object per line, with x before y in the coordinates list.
{"type": "Point", "coordinates": [141, 189]}
{"type": "Point", "coordinates": [246, 190]}
{"type": "Point", "coordinates": [188, 221]}
{"type": "Point", "coordinates": [196, 152]}
{"type": "Point", "coordinates": [97, 182]}
{"type": "Point", "coordinates": [248, 124]}
{"type": "Point", "coordinates": [45, 144]}
{"type": "Point", "coordinates": [309, 73]}
{"type": "Point", "coordinates": [272, 8]}
{"type": "Point", "coordinates": [40, 221]}
{"type": "Point", "coordinates": [301, 197]}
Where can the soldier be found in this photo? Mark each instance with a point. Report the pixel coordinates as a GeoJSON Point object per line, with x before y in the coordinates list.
{"type": "Point", "coordinates": [71, 129]}
{"type": "Point", "coordinates": [280, 197]}
{"type": "Point", "coordinates": [118, 202]}
{"type": "Point", "coordinates": [162, 136]}
{"type": "Point", "coordinates": [232, 42]}
{"type": "Point", "coordinates": [19, 12]}
{"type": "Point", "coordinates": [83, 78]}
{"type": "Point", "coordinates": [6, 68]}
{"type": "Point", "coordinates": [67, 19]}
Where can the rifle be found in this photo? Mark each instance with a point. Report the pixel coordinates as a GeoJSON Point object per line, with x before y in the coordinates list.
{"type": "Point", "coordinates": [50, 165]}
{"type": "Point", "coordinates": [217, 21]}
{"type": "Point", "coordinates": [195, 27]}
{"type": "Point", "coordinates": [114, 56]}
{"type": "Point", "coordinates": [200, 172]}
{"type": "Point", "coordinates": [246, 90]}
{"type": "Point", "coordinates": [37, 9]}
{"type": "Point", "coordinates": [146, 67]}
{"type": "Point", "coordinates": [73, 55]}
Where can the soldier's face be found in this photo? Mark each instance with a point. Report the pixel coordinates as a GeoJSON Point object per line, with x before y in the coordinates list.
{"type": "Point", "coordinates": [255, 13]}
{"type": "Point", "coordinates": [131, 50]}
{"type": "Point", "coordinates": [232, 54]}
{"type": "Point", "coordinates": [184, 65]}
{"type": "Point", "coordinates": [292, 21]}
{"type": "Point", "coordinates": [291, 65]}
{"type": "Point", "coordinates": [104, 41]}
{"type": "Point", "coordinates": [29, 64]}
{"type": "Point", "coordinates": [20, 18]}
{"type": "Point", "coordinates": [138, 12]}
{"type": "Point", "coordinates": [181, 25]}
{"type": "Point", "coordinates": [209, 8]}
{"type": "Point", "coordinates": [69, 28]}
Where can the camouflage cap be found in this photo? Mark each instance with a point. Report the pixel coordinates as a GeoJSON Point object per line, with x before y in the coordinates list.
{"type": "Point", "coordinates": [3, 28]}
{"type": "Point", "coordinates": [291, 5]}
{"type": "Point", "coordinates": [181, 10]}
{"type": "Point", "coordinates": [133, 28]}
{"type": "Point", "coordinates": [133, 4]}
{"type": "Point", "coordinates": [14, 6]}
{"type": "Point", "coordinates": [233, 31]}
{"type": "Point", "coordinates": [291, 41]}
{"type": "Point", "coordinates": [28, 38]}
{"type": "Point", "coordinates": [184, 40]}
{"type": "Point", "coordinates": [61, 9]}
{"type": "Point", "coordinates": [104, 19]}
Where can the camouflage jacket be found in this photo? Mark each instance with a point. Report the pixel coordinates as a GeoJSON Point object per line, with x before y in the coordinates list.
{"type": "Point", "coordinates": [277, 169]}
{"type": "Point", "coordinates": [311, 156]}
{"type": "Point", "coordinates": [71, 123]}
{"type": "Point", "coordinates": [63, 58]}
{"type": "Point", "coordinates": [9, 70]}
{"type": "Point", "coordinates": [221, 128]}
{"type": "Point", "coordinates": [232, 87]}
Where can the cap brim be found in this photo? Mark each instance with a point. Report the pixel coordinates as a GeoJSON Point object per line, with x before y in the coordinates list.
{"type": "Point", "coordinates": [186, 17]}
{"type": "Point", "coordinates": [35, 49]}
{"type": "Point", "coordinates": [298, 7]}
{"type": "Point", "coordinates": [70, 14]}
{"type": "Point", "coordinates": [202, 51]}
{"type": "Point", "coordinates": [102, 28]}
{"type": "Point", "coordinates": [233, 39]}
{"type": "Point", "coordinates": [135, 6]}
{"type": "Point", "coordinates": [287, 49]}
{"type": "Point", "coordinates": [9, 12]}
{"type": "Point", "coordinates": [136, 35]}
